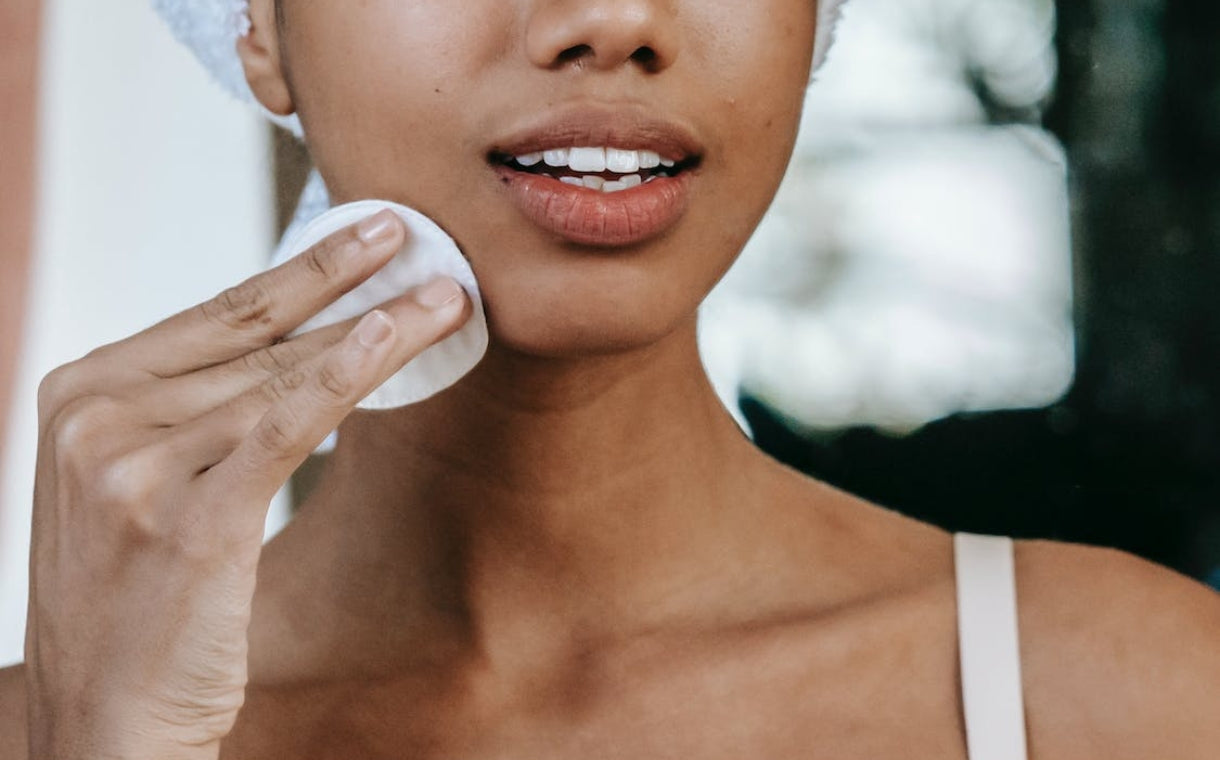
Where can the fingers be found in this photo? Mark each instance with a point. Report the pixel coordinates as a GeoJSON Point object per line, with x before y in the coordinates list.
{"type": "Point", "coordinates": [273, 428]}
{"type": "Point", "coordinates": [186, 397]}
{"type": "Point", "coordinates": [264, 308]}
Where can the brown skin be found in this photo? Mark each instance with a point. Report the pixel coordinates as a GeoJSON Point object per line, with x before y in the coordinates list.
{"type": "Point", "coordinates": [428, 117]}
{"type": "Point", "coordinates": [574, 552]}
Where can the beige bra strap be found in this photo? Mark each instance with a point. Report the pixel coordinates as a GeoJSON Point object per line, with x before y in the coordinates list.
{"type": "Point", "coordinates": [992, 698]}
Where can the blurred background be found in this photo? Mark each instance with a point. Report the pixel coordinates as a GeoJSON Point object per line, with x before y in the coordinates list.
{"type": "Point", "coordinates": [986, 295]}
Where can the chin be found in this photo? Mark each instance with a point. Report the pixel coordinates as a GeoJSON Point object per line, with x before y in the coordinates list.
{"type": "Point", "coordinates": [548, 299]}
{"type": "Point", "coordinates": [548, 320]}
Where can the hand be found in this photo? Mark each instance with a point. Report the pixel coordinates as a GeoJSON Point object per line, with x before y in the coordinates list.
{"type": "Point", "coordinates": [158, 456]}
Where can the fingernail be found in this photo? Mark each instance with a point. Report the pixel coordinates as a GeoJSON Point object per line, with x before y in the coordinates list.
{"type": "Point", "coordinates": [374, 329]}
{"type": "Point", "coordinates": [376, 228]}
{"type": "Point", "coordinates": [438, 293]}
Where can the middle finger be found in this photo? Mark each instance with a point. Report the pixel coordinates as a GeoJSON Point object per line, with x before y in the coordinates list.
{"type": "Point", "coordinates": [185, 397]}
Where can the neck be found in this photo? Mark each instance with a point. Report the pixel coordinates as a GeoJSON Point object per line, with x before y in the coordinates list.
{"type": "Point", "coordinates": [542, 500]}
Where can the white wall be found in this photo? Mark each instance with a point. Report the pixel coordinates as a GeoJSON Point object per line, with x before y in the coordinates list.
{"type": "Point", "coordinates": [155, 195]}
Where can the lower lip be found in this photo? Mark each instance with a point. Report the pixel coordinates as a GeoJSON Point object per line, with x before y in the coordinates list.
{"type": "Point", "coordinates": [590, 217]}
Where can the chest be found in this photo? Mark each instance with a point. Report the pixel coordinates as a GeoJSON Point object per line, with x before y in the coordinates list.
{"type": "Point", "coordinates": [873, 689]}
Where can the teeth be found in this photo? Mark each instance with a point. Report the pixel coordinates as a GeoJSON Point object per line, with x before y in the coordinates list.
{"type": "Point", "coordinates": [622, 161]}
{"type": "Point", "coordinates": [626, 183]}
{"type": "Point", "coordinates": [593, 182]}
{"type": "Point", "coordinates": [588, 160]}
{"type": "Point", "coordinates": [592, 160]}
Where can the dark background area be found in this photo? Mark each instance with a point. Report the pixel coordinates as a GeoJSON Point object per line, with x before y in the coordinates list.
{"type": "Point", "coordinates": [1129, 458]}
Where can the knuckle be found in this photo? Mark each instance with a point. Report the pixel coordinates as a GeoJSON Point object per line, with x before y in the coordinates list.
{"type": "Point", "coordinates": [137, 526]}
{"type": "Point", "coordinates": [271, 361]}
{"type": "Point", "coordinates": [256, 363]}
{"type": "Point", "coordinates": [325, 259]}
{"type": "Point", "coordinates": [276, 434]}
{"type": "Point", "coordinates": [108, 352]}
{"type": "Point", "coordinates": [334, 383]}
{"type": "Point", "coordinates": [133, 481]}
{"type": "Point", "coordinates": [240, 307]}
{"type": "Point", "coordinates": [285, 383]}
{"type": "Point", "coordinates": [80, 425]}
{"type": "Point", "coordinates": [59, 387]}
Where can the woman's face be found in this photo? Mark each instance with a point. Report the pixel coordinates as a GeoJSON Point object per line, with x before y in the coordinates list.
{"type": "Point", "coordinates": [427, 102]}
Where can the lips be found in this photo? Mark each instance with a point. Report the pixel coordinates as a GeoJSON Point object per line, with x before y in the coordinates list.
{"type": "Point", "coordinates": [599, 177]}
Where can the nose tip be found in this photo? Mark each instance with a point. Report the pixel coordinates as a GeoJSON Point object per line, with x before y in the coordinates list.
{"type": "Point", "coordinates": [602, 35]}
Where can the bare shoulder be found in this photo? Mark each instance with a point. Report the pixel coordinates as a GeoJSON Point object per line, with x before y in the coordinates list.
{"type": "Point", "coordinates": [12, 714]}
{"type": "Point", "coordinates": [1121, 657]}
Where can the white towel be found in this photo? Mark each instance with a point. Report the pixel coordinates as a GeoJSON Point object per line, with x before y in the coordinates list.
{"type": "Point", "coordinates": [211, 28]}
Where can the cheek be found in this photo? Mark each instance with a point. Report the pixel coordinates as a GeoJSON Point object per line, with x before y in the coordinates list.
{"type": "Point", "coordinates": [760, 94]}
{"type": "Point", "coordinates": [753, 69]}
{"type": "Point", "coordinates": [398, 113]}
{"type": "Point", "coordinates": [376, 82]}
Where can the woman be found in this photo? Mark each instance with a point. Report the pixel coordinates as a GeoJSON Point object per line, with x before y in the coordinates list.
{"type": "Point", "coordinates": [573, 552]}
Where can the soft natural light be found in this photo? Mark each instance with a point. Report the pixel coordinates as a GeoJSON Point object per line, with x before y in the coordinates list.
{"type": "Point", "coordinates": [917, 262]}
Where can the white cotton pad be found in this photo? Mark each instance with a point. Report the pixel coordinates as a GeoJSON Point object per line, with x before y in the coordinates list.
{"type": "Point", "coordinates": [427, 254]}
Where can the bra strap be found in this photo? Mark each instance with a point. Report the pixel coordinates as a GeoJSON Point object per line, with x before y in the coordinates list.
{"type": "Point", "coordinates": [992, 698]}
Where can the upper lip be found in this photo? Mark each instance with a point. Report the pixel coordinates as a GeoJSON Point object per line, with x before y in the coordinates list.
{"type": "Point", "coordinates": [627, 127]}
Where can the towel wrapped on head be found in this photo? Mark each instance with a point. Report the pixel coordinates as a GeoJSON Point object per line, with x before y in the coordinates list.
{"type": "Point", "coordinates": [210, 28]}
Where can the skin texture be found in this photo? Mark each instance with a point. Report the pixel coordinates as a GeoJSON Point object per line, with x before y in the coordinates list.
{"type": "Point", "coordinates": [573, 552]}
{"type": "Point", "coordinates": [542, 297]}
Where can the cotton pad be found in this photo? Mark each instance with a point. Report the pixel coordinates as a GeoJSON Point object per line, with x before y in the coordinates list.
{"type": "Point", "coordinates": [427, 253]}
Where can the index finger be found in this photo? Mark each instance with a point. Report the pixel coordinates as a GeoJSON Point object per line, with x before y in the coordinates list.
{"type": "Point", "coordinates": [295, 412]}
{"type": "Point", "coordinates": [266, 307]}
